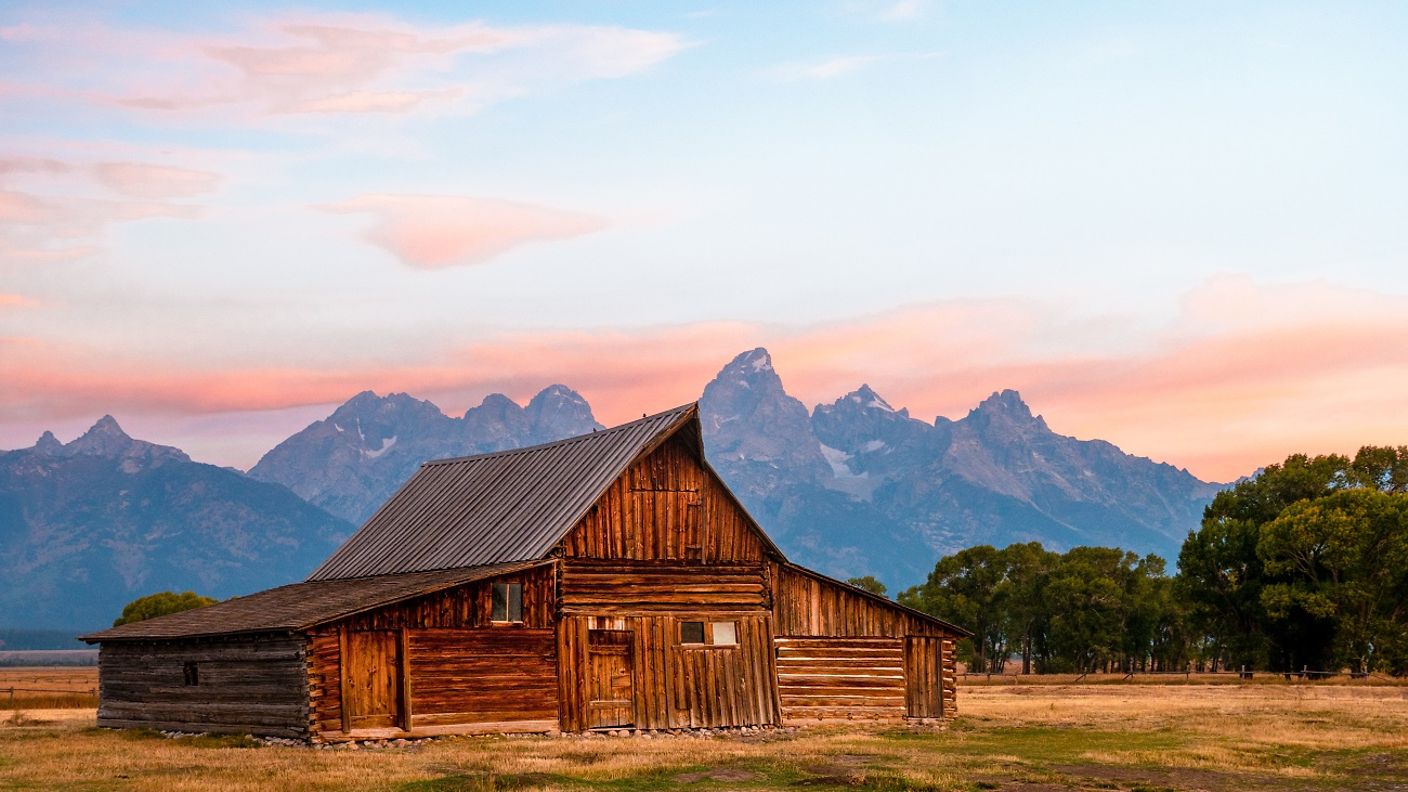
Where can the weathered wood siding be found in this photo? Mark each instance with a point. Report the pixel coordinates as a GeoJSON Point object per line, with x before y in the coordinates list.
{"type": "Point", "coordinates": [807, 606]}
{"type": "Point", "coordinates": [931, 679]}
{"type": "Point", "coordinates": [841, 678]}
{"type": "Point", "coordinates": [591, 586]}
{"type": "Point", "coordinates": [244, 684]}
{"type": "Point", "coordinates": [673, 685]}
{"type": "Point", "coordinates": [458, 671]}
{"type": "Point", "coordinates": [666, 507]}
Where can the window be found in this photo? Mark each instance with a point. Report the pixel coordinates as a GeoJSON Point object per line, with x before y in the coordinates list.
{"type": "Point", "coordinates": [692, 632]}
{"type": "Point", "coordinates": [710, 634]}
{"type": "Point", "coordinates": [190, 673]}
{"type": "Point", "coordinates": [725, 633]}
{"type": "Point", "coordinates": [508, 602]}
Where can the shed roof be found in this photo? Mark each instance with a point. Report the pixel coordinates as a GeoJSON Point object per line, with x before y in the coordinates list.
{"type": "Point", "coordinates": [506, 506]}
{"type": "Point", "coordinates": [300, 606]}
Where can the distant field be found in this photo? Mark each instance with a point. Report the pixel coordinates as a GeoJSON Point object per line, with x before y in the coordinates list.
{"type": "Point", "coordinates": [48, 688]}
{"type": "Point", "coordinates": [1029, 737]}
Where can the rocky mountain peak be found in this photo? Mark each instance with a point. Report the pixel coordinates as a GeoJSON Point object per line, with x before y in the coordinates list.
{"type": "Point", "coordinates": [104, 438]}
{"type": "Point", "coordinates": [47, 444]}
{"type": "Point", "coordinates": [557, 411]}
{"type": "Point", "coordinates": [1005, 408]}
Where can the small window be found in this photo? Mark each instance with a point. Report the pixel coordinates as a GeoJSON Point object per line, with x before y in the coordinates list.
{"type": "Point", "coordinates": [724, 633]}
{"type": "Point", "coordinates": [190, 674]}
{"type": "Point", "coordinates": [692, 632]}
{"type": "Point", "coordinates": [508, 602]}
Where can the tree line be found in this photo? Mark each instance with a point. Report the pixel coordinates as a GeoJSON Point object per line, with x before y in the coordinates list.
{"type": "Point", "coordinates": [1304, 565]}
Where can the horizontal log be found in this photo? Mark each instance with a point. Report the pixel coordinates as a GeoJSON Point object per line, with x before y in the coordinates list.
{"type": "Point", "coordinates": [213, 728]}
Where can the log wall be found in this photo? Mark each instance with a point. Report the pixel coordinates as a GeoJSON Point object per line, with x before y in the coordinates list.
{"type": "Point", "coordinates": [244, 684]}
{"type": "Point", "coordinates": [841, 678]}
{"type": "Point", "coordinates": [810, 606]}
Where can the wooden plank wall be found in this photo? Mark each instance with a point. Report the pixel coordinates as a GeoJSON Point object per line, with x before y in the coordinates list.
{"type": "Point", "coordinates": [806, 605]}
{"type": "Point", "coordinates": [676, 686]}
{"type": "Point", "coordinates": [246, 684]}
{"type": "Point", "coordinates": [449, 637]}
{"type": "Point", "coordinates": [590, 586]}
{"type": "Point", "coordinates": [809, 607]}
{"type": "Point", "coordinates": [666, 506]}
{"type": "Point", "coordinates": [841, 678]}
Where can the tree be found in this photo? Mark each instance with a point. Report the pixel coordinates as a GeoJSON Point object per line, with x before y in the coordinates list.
{"type": "Point", "coordinates": [964, 588]}
{"type": "Point", "coordinates": [161, 604]}
{"type": "Point", "coordinates": [1341, 560]}
{"type": "Point", "coordinates": [869, 583]}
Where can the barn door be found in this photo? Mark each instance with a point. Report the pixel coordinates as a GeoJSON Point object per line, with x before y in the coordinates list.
{"type": "Point", "coordinates": [372, 680]}
{"type": "Point", "coordinates": [610, 694]}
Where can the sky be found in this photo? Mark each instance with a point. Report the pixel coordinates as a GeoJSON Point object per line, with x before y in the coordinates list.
{"type": "Point", "coordinates": [1176, 226]}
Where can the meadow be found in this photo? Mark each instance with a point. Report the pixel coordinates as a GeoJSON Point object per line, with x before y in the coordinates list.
{"type": "Point", "coordinates": [1174, 735]}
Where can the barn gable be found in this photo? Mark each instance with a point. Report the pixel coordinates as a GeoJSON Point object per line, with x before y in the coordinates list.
{"type": "Point", "coordinates": [515, 505]}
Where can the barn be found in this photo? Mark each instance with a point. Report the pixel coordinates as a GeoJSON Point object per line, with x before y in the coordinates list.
{"type": "Point", "coordinates": [606, 581]}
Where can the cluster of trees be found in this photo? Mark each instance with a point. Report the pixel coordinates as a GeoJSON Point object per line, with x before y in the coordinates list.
{"type": "Point", "coordinates": [1304, 565]}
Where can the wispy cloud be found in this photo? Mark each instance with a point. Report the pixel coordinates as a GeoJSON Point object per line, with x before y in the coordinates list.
{"type": "Point", "coordinates": [143, 180]}
{"type": "Point", "coordinates": [840, 65]}
{"type": "Point", "coordinates": [326, 63]}
{"type": "Point", "coordinates": [1240, 378]}
{"type": "Point", "coordinates": [431, 231]}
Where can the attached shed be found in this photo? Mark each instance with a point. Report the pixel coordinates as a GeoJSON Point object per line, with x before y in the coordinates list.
{"type": "Point", "coordinates": [605, 581]}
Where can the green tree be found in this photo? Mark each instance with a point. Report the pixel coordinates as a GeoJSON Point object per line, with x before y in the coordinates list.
{"type": "Point", "coordinates": [869, 583]}
{"type": "Point", "coordinates": [161, 604]}
{"type": "Point", "coordinates": [1023, 596]}
{"type": "Point", "coordinates": [964, 588]}
{"type": "Point", "coordinates": [1342, 560]}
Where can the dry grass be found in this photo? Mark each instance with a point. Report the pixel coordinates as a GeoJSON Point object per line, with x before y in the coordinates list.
{"type": "Point", "coordinates": [48, 688]}
{"type": "Point", "coordinates": [1030, 738]}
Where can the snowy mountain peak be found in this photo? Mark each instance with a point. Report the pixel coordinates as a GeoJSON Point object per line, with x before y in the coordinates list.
{"type": "Point", "coordinates": [754, 360]}
{"type": "Point", "coordinates": [866, 397]}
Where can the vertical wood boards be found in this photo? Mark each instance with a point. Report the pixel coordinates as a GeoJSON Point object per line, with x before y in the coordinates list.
{"type": "Point", "coordinates": [673, 686]}
{"type": "Point", "coordinates": [666, 507]}
{"type": "Point", "coordinates": [923, 675]}
{"type": "Point", "coordinates": [610, 675]}
{"type": "Point", "coordinates": [247, 684]}
{"type": "Point", "coordinates": [371, 673]}
{"type": "Point", "coordinates": [841, 678]}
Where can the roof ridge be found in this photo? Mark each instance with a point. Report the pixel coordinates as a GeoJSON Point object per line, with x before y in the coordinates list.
{"type": "Point", "coordinates": [564, 441]}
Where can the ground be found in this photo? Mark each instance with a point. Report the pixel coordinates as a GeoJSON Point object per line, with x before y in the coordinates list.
{"type": "Point", "coordinates": [1170, 736]}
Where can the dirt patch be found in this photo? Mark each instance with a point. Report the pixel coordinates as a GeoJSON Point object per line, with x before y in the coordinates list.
{"type": "Point", "coordinates": [1171, 778]}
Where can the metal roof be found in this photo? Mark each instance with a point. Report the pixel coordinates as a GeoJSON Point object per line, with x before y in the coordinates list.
{"type": "Point", "coordinates": [300, 606]}
{"type": "Point", "coordinates": [493, 508]}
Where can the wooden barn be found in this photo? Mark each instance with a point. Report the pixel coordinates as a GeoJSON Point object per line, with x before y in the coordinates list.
{"type": "Point", "coordinates": [605, 581]}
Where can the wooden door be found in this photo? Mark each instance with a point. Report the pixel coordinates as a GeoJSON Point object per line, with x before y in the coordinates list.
{"type": "Point", "coordinates": [923, 677]}
{"type": "Point", "coordinates": [372, 680]}
{"type": "Point", "coordinates": [610, 693]}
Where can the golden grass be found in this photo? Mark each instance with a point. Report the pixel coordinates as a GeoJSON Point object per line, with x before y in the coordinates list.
{"type": "Point", "coordinates": [1030, 737]}
{"type": "Point", "coordinates": [48, 688]}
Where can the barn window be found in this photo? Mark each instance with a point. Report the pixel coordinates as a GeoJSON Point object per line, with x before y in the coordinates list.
{"type": "Point", "coordinates": [508, 602]}
{"type": "Point", "coordinates": [692, 632]}
{"type": "Point", "coordinates": [190, 674]}
{"type": "Point", "coordinates": [724, 633]}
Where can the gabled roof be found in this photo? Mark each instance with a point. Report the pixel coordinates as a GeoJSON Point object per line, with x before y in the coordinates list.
{"type": "Point", "coordinates": [878, 599]}
{"type": "Point", "coordinates": [506, 506]}
{"type": "Point", "coordinates": [301, 606]}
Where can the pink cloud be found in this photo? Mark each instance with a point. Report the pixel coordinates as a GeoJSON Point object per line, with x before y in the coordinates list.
{"type": "Point", "coordinates": [1241, 378]}
{"type": "Point", "coordinates": [430, 232]}
{"type": "Point", "coordinates": [329, 63]}
{"type": "Point", "coordinates": [16, 301]}
{"type": "Point", "coordinates": [37, 228]}
{"type": "Point", "coordinates": [143, 180]}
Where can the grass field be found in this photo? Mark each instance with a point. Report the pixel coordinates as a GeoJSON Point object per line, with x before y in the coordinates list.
{"type": "Point", "coordinates": [1027, 737]}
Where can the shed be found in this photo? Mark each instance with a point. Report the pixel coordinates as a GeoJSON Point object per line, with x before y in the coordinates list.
{"type": "Point", "coordinates": [605, 581]}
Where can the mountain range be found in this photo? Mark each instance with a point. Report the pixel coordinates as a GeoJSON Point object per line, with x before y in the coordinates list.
{"type": "Point", "coordinates": [853, 487]}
